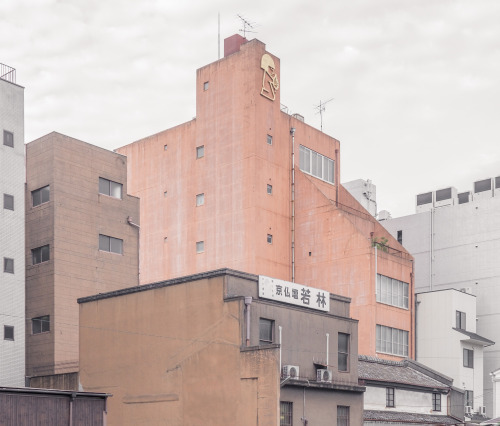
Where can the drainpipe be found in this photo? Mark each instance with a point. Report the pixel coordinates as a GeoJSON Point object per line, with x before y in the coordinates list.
{"type": "Point", "coordinates": [73, 396]}
{"type": "Point", "coordinates": [292, 132]}
{"type": "Point", "coordinates": [327, 348]}
{"type": "Point", "coordinates": [280, 329]}
{"type": "Point", "coordinates": [337, 177]}
{"type": "Point", "coordinates": [129, 221]}
{"type": "Point", "coordinates": [248, 302]}
{"type": "Point", "coordinates": [431, 248]}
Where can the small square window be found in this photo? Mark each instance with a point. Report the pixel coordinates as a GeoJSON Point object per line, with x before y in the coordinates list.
{"type": "Point", "coordinates": [165, 194]}
{"type": "Point", "coordinates": [108, 187]}
{"type": "Point", "coordinates": [269, 189]}
{"type": "Point", "coordinates": [8, 265]}
{"type": "Point", "coordinates": [269, 140]}
{"type": "Point", "coordinates": [8, 138]}
{"type": "Point", "coordinates": [40, 254]}
{"type": "Point", "coordinates": [266, 330]}
{"type": "Point", "coordinates": [165, 147]}
{"type": "Point", "coordinates": [205, 86]}
{"type": "Point", "coordinates": [8, 202]}
{"type": "Point", "coordinates": [8, 332]}
{"type": "Point", "coordinates": [200, 246]}
{"type": "Point", "coordinates": [40, 196]}
{"type": "Point", "coordinates": [200, 200]}
{"type": "Point", "coordinates": [200, 151]}
{"type": "Point", "coordinates": [40, 324]}
{"type": "Point", "coordinates": [111, 244]}
{"type": "Point", "coordinates": [269, 239]}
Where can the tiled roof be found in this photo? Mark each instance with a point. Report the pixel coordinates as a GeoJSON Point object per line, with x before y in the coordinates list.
{"type": "Point", "coordinates": [399, 417]}
{"type": "Point", "coordinates": [376, 369]}
{"type": "Point", "coordinates": [476, 338]}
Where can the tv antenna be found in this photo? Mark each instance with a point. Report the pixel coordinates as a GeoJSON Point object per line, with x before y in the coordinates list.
{"type": "Point", "coordinates": [247, 26]}
{"type": "Point", "coordinates": [321, 109]}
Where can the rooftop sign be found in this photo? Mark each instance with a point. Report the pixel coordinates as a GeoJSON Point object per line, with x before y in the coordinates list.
{"type": "Point", "coordinates": [294, 294]}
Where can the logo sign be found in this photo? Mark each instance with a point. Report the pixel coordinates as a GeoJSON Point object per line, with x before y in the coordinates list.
{"type": "Point", "coordinates": [294, 294]}
{"type": "Point", "coordinates": [270, 83]}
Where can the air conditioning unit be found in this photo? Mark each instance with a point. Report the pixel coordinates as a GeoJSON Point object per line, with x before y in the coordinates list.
{"type": "Point", "coordinates": [291, 371]}
{"type": "Point", "coordinates": [482, 410]}
{"type": "Point", "coordinates": [468, 409]}
{"type": "Point", "coordinates": [323, 375]}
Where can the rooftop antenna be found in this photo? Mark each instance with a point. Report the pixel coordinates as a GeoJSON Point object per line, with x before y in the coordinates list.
{"type": "Point", "coordinates": [321, 110]}
{"type": "Point", "coordinates": [247, 26]}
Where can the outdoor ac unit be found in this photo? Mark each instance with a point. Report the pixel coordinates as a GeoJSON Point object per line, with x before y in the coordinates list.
{"type": "Point", "coordinates": [323, 375]}
{"type": "Point", "coordinates": [291, 371]}
{"type": "Point", "coordinates": [468, 409]}
{"type": "Point", "coordinates": [482, 410]}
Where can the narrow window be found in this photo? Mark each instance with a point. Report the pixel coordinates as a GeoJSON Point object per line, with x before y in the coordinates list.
{"type": "Point", "coordinates": [8, 265]}
{"type": "Point", "coordinates": [8, 202]}
{"type": "Point", "coordinates": [40, 254]}
{"type": "Point", "coordinates": [266, 327]}
{"type": "Point", "coordinates": [468, 358]}
{"type": "Point", "coordinates": [200, 151]}
{"type": "Point", "coordinates": [165, 194]}
{"type": "Point", "coordinates": [165, 147]}
{"type": "Point", "coordinates": [342, 415]}
{"type": "Point", "coordinates": [343, 348]}
{"type": "Point", "coordinates": [205, 86]}
{"type": "Point", "coordinates": [108, 187]}
{"type": "Point", "coordinates": [200, 246]}
{"type": "Point", "coordinates": [460, 320]}
{"type": "Point", "coordinates": [269, 140]}
{"type": "Point", "coordinates": [200, 199]}
{"type": "Point", "coordinates": [286, 413]}
{"type": "Point", "coordinates": [269, 189]}
{"type": "Point", "coordinates": [400, 237]}
{"type": "Point", "coordinates": [40, 324]}
{"type": "Point", "coordinates": [436, 402]}
{"type": "Point", "coordinates": [469, 398]}
{"type": "Point", "coordinates": [40, 196]}
{"type": "Point", "coordinates": [8, 332]}
{"type": "Point", "coordinates": [269, 239]}
{"type": "Point", "coordinates": [8, 138]}
{"type": "Point", "coordinates": [389, 397]}
{"type": "Point", "coordinates": [111, 244]}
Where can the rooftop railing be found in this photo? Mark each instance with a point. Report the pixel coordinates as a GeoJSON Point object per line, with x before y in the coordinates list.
{"type": "Point", "coordinates": [7, 73]}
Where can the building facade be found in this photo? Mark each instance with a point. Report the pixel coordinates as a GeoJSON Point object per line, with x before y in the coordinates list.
{"type": "Point", "coordinates": [247, 186]}
{"type": "Point", "coordinates": [455, 237]}
{"type": "Point", "coordinates": [12, 178]}
{"type": "Point", "coordinates": [221, 347]}
{"type": "Point", "coordinates": [81, 239]}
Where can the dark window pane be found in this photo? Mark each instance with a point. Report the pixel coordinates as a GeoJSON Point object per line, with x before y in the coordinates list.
{"type": "Point", "coordinates": [266, 330]}
{"type": "Point", "coordinates": [482, 185]}
{"type": "Point", "coordinates": [424, 198]}
{"type": "Point", "coordinates": [40, 324]}
{"type": "Point", "coordinates": [8, 332]}
{"type": "Point", "coordinates": [8, 265]}
{"type": "Point", "coordinates": [286, 413]}
{"type": "Point", "coordinates": [8, 202]}
{"type": "Point", "coordinates": [103, 186]}
{"type": "Point", "coordinates": [41, 195]}
{"type": "Point", "coordinates": [8, 138]}
{"type": "Point", "coordinates": [443, 194]}
{"type": "Point", "coordinates": [116, 245]}
{"type": "Point", "coordinates": [103, 242]}
{"type": "Point", "coordinates": [463, 197]}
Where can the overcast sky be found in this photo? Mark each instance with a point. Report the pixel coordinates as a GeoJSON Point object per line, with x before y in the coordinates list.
{"type": "Point", "coordinates": [415, 83]}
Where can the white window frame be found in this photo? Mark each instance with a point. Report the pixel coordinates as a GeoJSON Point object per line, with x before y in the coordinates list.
{"type": "Point", "coordinates": [110, 244]}
{"type": "Point", "coordinates": [392, 341]}
{"type": "Point", "coordinates": [392, 292]}
{"type": "Point", "coordinates": [315, 164]}
{"type": "Point", "coordinates": [110, 188]}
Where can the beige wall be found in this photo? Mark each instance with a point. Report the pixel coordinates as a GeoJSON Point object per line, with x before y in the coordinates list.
{"type": "Point", "coordinates": [71, 223]}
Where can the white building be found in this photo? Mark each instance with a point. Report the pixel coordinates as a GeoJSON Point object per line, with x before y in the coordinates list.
{"type": "Point", "coordinates": [455, 240]}
{"type": "Point", "coordinates": [12, 178]}
{"type": "Point", "coordinates": [365, 192]}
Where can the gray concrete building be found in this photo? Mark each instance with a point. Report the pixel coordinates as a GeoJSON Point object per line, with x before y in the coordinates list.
{"type": "Point", "coordinates": [12, 178]}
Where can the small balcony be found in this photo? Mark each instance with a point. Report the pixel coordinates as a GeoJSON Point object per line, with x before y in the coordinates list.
{"type": "Point", "coordinates": [7, 73]}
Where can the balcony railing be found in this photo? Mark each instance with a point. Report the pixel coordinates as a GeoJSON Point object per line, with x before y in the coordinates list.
{"type": "Point", "coordinates": [7, 73]}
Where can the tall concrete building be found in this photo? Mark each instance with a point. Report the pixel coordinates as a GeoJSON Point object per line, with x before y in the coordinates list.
{"type": "Point", "coordinates": [455, 239]}
{"type": "Point", "coordinates": [12, 178]}
{"type": "Point", "coordinates": [81, 239]}
{"type": "Point", "coordinates": [249, 187]}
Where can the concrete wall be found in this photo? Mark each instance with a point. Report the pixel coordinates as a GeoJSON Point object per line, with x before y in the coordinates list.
{"type": "Point", "coordinates": [12, 231]}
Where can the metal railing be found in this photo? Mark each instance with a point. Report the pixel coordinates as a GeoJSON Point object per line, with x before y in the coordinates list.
{"type": "Point", "coordinates": [7, 73]}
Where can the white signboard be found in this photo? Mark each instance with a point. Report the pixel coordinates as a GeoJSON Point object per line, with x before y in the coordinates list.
{"type": "Point", "coordinates": [293, 293]}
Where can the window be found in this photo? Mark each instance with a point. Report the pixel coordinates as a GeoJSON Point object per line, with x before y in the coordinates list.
{"type": "Point", "coordinates": [165, 147]}
{"type": "Point", "coordinates": [8, 202]}
{"type": "Point", "coordinates": [424, 198]}
{"type": "Point", "coordinates": [165, 194]}
{"type": "Point", "coordinates": [468, 358]}
{"type": "Point", "coordinates": [8, 138]}
{"type": "Point", "coordinates": [497, 182]}
{"type": "Point", "coordinates": [40, 324]}
{"type": "Point", "coordinates": [436, 402]}
{"type": "Point", "coordinates": [40, 196]}
{"type": "Point", "coordinates": [200, 246]}
{"type": "Point", "coordinates": [400, 237]}
{"type": "Point", "coordinates": [8, 265]}
{"type": "Point", "coordinates": [269, 189]}
{"type": "Point", "coordinates": [266, 327]}
{"type": "Point", "coordinates": [316, 164]}
{"type": "Point", "coordinates": [286, 413]}
{"type": "Point", "coordinates": [205, 86]}
{"type": "Point", "coordinates": [40, 254]}
{"type": "Point", "coordinates": [269, 140]}
{"type": "Point", "coordinates": [200, 151]}
{"type": "Point", "coordinates": [443, 194]}
{"type": "Point", "coordinates": [389, 397]}
{"type": "Point", "coordinates": [482, 185]}
{"type": "Point", "coordinates": [342, 415]}
{"type": "Point", "coordinates": [392, 292]}
{"type": "Point", "coordinates": [108, 187]}
{"type": "Point", "coordinates": [8, 332]}
{"type": "Point", "coordinates": [469, 398]}
{"type": "Point", "coordinates": [269, 239]}
{"type": "Point", "coordinates": [463, 197]}
{"type": "Point", "coordinates": [392, 340]}
{"type": "Point", "coordinates": [200, 199]}
{"type": "Point", "coordinates": [460, 320]}
{"type": "Point", "coordinates": [113, 245]}
{"type": "Point", "coordinates": [343, 347]}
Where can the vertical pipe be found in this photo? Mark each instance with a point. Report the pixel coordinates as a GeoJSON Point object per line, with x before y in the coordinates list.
{"type": "Point", "coordinates": [292, 132]}
{"type": "Point", "coordinates": [431, 248]}
{"type": "Point", "coordinates": [248, 302]}
{"type": "Point", "coordinates": [327, 348]}
{"type": "Point", "coordinates": [280, 328]}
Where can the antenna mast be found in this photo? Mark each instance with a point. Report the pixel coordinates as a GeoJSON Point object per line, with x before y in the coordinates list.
{"type": "Point", "coordinates": [247, 26]}
{"type": "Point", "coordinates": [321, 109]}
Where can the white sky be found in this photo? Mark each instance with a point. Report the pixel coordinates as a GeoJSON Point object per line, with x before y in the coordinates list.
{"type": "Point", "coordinates": [415, 82]}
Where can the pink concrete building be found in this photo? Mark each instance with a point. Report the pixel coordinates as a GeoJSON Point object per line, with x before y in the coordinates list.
{"type": "Point", "coordinates": [247, 186]}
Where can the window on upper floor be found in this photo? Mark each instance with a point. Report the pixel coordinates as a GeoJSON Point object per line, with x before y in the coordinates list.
{"type": "Point", "coordinates": [111, 244]}
{"type": "Point", "coordinates": [343, 352]}
{"type": "Point", "coordinates": [200, 151]}
{"type": "Point", "coordinates": [391, 340]}
{"type": "Point", "coordinates": [40, 324]}
{"type": "Point", "coordinates": [286, 413]}
{"type": "Point", "coordinates": [469, 398]}
{"type": "Point", "coordinates": [8, 139]}
{"type": "Point", "coordinates": [269, 140]}
{"type": "Point", "coordinates": [200, 199]}
{"type": "Point", "coordinates": [200, 246]}
{"type": "Point", "coordinates": [40, 254]}
{"type": "Point", "coordinates": [390, 400]}
{"type": "Point", "coordinates": [8, 332]}
{"type": "Point", "coordinates": [468, 358]}
{"type": "Point", "coordinates": [460, 320]}
{"type": "Point", "coordinates": [400, 237]}
{"type": "Point", "coordinates": [205, 85]}
{"type": "Point", "coordinates": [8, 202]}
{"type": "Point", "coordinates": [436, 402]}
{"type": "Point", "coordinates": [316, 164]}
{"type": "Point", "coordinates": [266, 330]}
{"type": "Point", "coordinates": [343, 415]}
{"type": "Point", "coordinates": [8, 265]}
{"type": "Point", "coordinates": [40, 196]}
{"type": "Point", "coordinates": [392, 292]}
{"type": "Point", "coordinates": [269, 239]}
{"type": "Point", "coordinates": [108, 187]}
{"type": "Point", "coordinates": [269, 189]}
{"type": "Point", "coordinates": [425, 198]}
